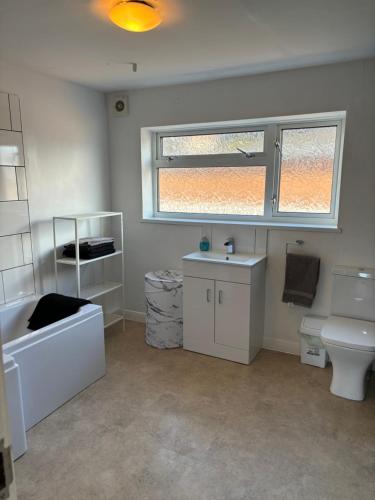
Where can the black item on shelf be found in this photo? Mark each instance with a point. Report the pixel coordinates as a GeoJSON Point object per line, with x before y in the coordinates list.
{"type": "Point", "coordinates": [54, 307]}
{"type": "Point", "coordinates": [89, 251]}
{"type": "Point", "coordinates": [87, 256]}
{"type": "Point", "coordinates": [301, 279]}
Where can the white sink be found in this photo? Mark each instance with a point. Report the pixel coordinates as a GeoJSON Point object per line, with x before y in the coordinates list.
{"type": "Point", "coordinates": [238, 259]}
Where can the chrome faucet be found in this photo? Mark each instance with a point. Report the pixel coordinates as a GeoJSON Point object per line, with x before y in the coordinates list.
{"type": "Point", "coordinates": [229, 244]}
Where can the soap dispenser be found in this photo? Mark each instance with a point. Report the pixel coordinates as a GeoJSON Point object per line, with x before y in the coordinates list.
{"type": "Point", "coordinates": [204, 244]}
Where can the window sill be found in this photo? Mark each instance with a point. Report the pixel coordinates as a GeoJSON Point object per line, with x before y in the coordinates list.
{"type": "Point", "coordinates": [269, 225]}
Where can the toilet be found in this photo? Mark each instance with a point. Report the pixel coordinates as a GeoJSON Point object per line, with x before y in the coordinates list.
{"type": "Point", "coordinates": [349, 333]}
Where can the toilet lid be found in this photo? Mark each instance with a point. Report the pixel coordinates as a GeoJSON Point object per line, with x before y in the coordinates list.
{"type": "Point", "coordinates": [348, 332]}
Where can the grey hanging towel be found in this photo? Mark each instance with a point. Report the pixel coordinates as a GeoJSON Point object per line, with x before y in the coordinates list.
{"type": "Point", "coordinates": [301, 279]}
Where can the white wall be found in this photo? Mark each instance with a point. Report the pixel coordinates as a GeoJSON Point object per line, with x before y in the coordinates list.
{"type": "Point", "coordinates": [149, 246]}
{"type": "Point", "coordinates": [66, 154]}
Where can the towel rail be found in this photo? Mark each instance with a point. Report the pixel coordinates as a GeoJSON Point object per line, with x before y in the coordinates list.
{"type": "Point", "coordinates": [298, 243]}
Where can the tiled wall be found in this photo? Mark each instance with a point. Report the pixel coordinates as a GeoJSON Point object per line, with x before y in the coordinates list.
{"type": "Point", "coordinates": [16, 259]}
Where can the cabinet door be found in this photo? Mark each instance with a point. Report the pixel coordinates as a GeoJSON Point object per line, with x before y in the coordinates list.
{"type": "Point", "coordinates": [199, 310]}
{"type": "Point", "coordinates": [232, 315]}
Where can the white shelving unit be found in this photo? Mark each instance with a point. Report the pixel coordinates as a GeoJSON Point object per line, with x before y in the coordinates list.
{"type": "Point", "coordinates": [99, 289]}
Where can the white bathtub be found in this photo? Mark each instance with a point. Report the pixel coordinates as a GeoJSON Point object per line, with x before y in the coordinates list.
{"type": "Point", "coordinates": [56, 362]}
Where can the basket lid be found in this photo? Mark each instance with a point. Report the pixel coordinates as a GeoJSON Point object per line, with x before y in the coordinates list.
{"type": "Point", "coordinates": [312, 325]}
{"type": "Point", "coordinates": [165, 276]}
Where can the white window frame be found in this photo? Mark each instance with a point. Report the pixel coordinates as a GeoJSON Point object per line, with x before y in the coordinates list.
{"type": "Point", "coordinates": [322, 217]}
{"type": "Point", "coordinates": [152, 160]}
{"type": "Point", "coordinates": [209, 159]}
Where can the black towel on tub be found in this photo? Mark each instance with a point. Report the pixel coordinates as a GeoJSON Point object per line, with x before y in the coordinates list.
{"type": "Point", "coordinates": [53, 307]}
{"type": "Point", "coordinates": [301, 279]}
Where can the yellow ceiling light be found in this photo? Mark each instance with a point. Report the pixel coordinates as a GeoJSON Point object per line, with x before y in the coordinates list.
{"type": "Point", "coordinates": [135, 15]}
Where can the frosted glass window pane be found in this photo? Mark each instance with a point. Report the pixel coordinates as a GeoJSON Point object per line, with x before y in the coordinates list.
{"type": "Point", "coordinates": [213, 144]}
{"type": "Point", "coordinates": [307, 170]}
{"type": "Point", "coordinates": [214, 190]}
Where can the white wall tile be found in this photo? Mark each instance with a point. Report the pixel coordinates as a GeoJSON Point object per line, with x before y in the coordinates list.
{"type": "Point", "coordinates": [244, 237]}
{"type": "Point", "coordinates": [16, 269]}
{"type": "Point", "coordinates": [14, 217]}
{"type": "Point", "coordinates": [261, 240]}
{"type": "Point", "coordinates": [2, 296]}
{"type": "Point", "coordinates": [4, 111]}
{"type": "Point", "coordinates": [11, 148]}
{"type": "Point", "coordinates": [27, 249]}
{"type": "Point", "coordinates": [8, 184]}
{"type": "Point", "coordinates": [21, 183]}
{"type": "Point", "coordinates": [11, 251]}
{"type": "Point", "coordinates": [15, 112]}
{"type": "Point", "coordinates": [18, 282]}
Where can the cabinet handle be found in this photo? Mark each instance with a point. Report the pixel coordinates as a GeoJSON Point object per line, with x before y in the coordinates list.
{"type": "Point", "coordinates": [220, 296]}
{"type": "Point", "coordinates": [208, 295]}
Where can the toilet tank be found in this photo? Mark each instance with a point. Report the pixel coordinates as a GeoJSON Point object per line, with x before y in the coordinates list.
{"type": "Point", "coordinates": [353, 293]}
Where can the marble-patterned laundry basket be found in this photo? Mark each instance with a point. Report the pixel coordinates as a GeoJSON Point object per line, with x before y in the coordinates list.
{"type": "Point", "coordinates": [163, 291]}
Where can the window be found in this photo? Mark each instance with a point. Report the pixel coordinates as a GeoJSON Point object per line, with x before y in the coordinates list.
{"type": "Point", "coordinates": [306, 170]}
{"type": "Point", "coordinates": [212, 190]}
{"type": "Point", "coordinates": [212, 144]}
{"type": "Point", "coordinates": [281, 171]}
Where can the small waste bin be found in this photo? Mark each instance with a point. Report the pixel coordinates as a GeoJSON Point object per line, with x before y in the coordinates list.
{"type": "Point", "coordinates": [313, 351]}
{"type": "Point", "coordinates": [163, 291]}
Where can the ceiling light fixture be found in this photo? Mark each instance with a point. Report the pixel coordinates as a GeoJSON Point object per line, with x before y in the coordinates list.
{"type": "Point", "coordinates": [135, 15]}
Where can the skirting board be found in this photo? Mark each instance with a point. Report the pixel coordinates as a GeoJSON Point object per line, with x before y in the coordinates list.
{"type": "Point", "coordinates": [280, 345]}
{"type": "Point", "coordinates": [139, 317]}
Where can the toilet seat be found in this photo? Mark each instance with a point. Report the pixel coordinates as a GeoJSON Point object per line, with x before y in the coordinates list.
{"type": "Point", "coordinates": [350, 333]}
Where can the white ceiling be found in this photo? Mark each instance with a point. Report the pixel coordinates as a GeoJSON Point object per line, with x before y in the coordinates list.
{"type": "Point", "coordinates": [198, 39]}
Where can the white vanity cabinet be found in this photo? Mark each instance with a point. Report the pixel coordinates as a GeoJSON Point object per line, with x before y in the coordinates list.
{"type": "Point", "coordinates": [223, 307]}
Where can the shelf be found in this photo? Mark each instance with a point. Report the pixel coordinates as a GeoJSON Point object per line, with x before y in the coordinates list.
{"type": "Point", "coordinates": [106, 287]}
{"type": "Point", "coordinates": [111, 319]}
{"type": "Point", "coordinates": [85, 216]}
{"type": "Point", "coordinates": [70, 261]}
{"type": "Point", "coordinates": [90, 292]}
